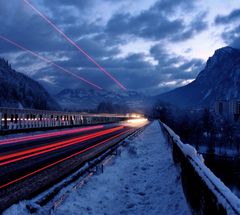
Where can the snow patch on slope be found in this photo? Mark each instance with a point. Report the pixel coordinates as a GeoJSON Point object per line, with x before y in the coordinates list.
{"type": "Point", "coordinates": [207, 94]}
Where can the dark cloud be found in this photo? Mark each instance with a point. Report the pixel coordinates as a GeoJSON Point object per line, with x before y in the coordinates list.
{"type": "Point", "coordinates": [175, 68]}
{"type": "Point", "coordinates": [197, 25]}
{"type": "Point", "coordinates": [109, 40]}
{"type": "Point", "coordinates": [232, 37]}
{"type": "Point", "coordinates": [59, 6]}
{"type": "Point", "coordinates": [156, 23]}
{"type": "Point", "coordinates": [28, 30]}
{"type": "Point", "coordinates": [24, 26]}
{"type": "Point", "coordinates": [163, 57]}
{"type": "Point", "coordinates": [226, 19]}
{"type": "Point", "coordinates": [80, 4]}
{"type": "Point", "coordinates": [147, 25]}
{"type": "Point", "coordinates": [81, 30]}
{"type": "Point", "coordinates": [100, 41]}
{"type": "Point", "coordinates": [134, 71]}
{"type": "Point", "coordinates": [231, 34]}
{"type": "Point", "coordinates": [170, 6]}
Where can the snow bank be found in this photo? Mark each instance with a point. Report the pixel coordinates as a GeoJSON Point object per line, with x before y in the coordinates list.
{"type": "Point", "coordinates": [142, 180]}
{"type": "Point", "coordinates": [224, 195]}
{"type": "Point", "coordinates": [189, 150]}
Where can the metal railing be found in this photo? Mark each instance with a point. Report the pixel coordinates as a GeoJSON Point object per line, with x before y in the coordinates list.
{"type": "Point", "coordinates": [205, 193]}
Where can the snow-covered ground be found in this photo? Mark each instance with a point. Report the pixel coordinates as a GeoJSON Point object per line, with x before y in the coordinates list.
{"type": "Point", "coordinates": [142, 180]}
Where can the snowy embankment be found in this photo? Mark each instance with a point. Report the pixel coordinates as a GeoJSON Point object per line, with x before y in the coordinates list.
{"type": "Point", "coordinates": [224, 195]}
{"type": "Point", "coordinates": [143, 180]}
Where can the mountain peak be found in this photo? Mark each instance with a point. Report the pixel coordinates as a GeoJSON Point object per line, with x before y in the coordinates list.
{"type": "Point", "coordinates": [219, 79]}
{"type": "Point", "coordinates": [223, 58]}
{"type": "Point", "coordinates": [227, 50]}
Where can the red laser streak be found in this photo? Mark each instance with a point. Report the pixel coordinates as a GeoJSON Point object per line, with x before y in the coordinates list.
{"type": "Point", "coordinates": [52, 147]}
{"type": "Point", "coordinates": [52, 134]}
{"type": "Point", "coordinates": [49, 61]}
{"type": "Point", "coordinates": [59, 161]}
{"type": "Point", "coordinates": [74, 44]}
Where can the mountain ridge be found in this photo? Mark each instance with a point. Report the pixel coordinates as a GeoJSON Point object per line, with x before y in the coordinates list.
{"type": "Point", "coordinates": [219, 79]}
{"type": "Point", "coordinates": [82, 99]}
{"type": "Point", "coordinates": [20, 91]}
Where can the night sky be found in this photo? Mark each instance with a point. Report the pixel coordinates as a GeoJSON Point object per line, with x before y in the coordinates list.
{"type": "Point", "coordinates": [150, 46]}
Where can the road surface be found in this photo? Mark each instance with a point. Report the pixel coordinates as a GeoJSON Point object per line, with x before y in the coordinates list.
{"type": "Point", "coordinates": [31, 163]}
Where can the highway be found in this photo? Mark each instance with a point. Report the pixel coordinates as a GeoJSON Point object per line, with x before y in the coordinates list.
{"type": "Point", "coordinates": [23, 160]}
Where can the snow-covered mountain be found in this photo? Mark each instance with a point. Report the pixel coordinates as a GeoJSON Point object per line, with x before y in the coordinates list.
{"type": "Point", "coordinates": [19, 91]}
{"type": "Point", "coordinates": [220, 79]}
{"type": "Point", "coordinates": [82, 99]}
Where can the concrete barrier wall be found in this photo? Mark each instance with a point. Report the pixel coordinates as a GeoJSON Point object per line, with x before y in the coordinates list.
{"type": "Point", "coordinates": [205, 193]}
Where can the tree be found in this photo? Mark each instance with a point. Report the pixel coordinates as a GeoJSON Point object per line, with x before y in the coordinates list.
{"type": "Point", "coordinates": [227, 134]}
{"type": "Point", "coordinates": [207, 121]}
{"type": "Point", "coordinates": [209, 129]}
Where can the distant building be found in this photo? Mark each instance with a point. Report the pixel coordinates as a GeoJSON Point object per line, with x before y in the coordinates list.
{"type": "Point", "coordinates": [229, 109]}
{"type": "Point", "coordinates": [222, 108]}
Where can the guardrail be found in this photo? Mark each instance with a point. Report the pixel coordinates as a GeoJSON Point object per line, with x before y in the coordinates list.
{"type": "Point", "coordinates": [205, 193]}
{"type": "Point", "coordinates": [17, 120]}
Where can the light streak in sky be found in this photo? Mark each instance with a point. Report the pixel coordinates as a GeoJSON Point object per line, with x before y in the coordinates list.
{"type": "Point", "coordinates": [48, 61]}
{"type": "Point", "coordinates": [74, 44]}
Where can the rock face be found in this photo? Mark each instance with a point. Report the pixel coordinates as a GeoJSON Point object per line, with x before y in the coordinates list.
{"type": "Point", "coordinates": [220, 79]}
{"type": "Point", "coordinates": [82, 99]}
{"type": "Point", "coordinates": [19, 91]}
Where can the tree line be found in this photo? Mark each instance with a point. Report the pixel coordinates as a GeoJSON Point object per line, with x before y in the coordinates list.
{"type": "Point", "coordinates": [201, 128]}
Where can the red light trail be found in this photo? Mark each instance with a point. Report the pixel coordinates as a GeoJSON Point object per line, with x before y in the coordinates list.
{"type": "Point", "coordinates": [74, 44]}
{"type": "Point", "coordinates": [10, 158]}
{"type": "Point", "coordinates": [52, 134]}
{"type": "Point", "coordinates": [49, 61]}
{"type": "Point", "coordinates": [61, 160]}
